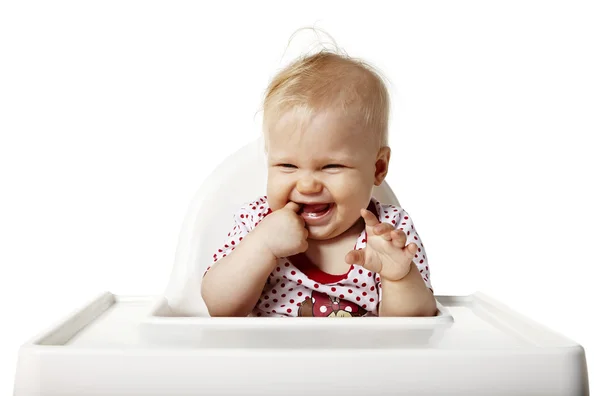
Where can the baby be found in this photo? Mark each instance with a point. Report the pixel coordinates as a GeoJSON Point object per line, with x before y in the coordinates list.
{"type": "Point", "coordinates": [319, 243]}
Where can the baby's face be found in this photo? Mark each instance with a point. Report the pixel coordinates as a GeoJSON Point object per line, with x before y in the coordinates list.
{"type": "Point", "coordinates": [329, 168]}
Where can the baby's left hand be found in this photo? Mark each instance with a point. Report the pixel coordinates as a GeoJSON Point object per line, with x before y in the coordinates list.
{"type": "Point", "coordinates": [385, 252]}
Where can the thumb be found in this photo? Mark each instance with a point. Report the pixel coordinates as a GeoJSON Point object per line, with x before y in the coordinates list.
{"type": "Point", "coordinates": [292, 206]}
{"type": "Point", "coordinates": [355, 257]}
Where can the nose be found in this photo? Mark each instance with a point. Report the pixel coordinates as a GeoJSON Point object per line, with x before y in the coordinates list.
{"type": "Point", "coordinates": [307, 184]}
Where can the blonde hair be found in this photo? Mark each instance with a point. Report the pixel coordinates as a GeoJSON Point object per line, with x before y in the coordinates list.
{"type": "Point", "coordinates": [328, 81]}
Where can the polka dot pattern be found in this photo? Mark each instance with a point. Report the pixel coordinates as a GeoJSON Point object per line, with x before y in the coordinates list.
{"type": "Point", "coordinates": [288, 288]}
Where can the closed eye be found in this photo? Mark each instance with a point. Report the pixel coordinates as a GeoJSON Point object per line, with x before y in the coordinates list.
{"type": "Point", "coordinates": [333, 166]}
{"type": "Point", "coordinates": [287, 165]}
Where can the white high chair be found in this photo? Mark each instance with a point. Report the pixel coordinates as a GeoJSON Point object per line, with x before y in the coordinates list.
{"type": "Point", "coordinates": [167, 345]}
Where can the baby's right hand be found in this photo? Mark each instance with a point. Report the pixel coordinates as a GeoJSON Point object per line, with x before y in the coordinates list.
{"type": "Point", "coordinates": [283, 231]}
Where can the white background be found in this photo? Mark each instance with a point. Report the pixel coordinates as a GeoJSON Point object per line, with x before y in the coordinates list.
{"type": "Point", "coordinates": [112, 114]}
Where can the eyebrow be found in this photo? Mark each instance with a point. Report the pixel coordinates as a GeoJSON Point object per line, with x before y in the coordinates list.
{"type": "Point", "coordinates": [328, 160]}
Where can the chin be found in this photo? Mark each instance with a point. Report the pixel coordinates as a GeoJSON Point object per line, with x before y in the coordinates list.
{"type": "Point", "coordinates": [317, 237]}
{"type": "Point", "coordinates": [322, 235]}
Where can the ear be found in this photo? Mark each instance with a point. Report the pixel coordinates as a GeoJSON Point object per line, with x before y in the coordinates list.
{"type": "Point", "coordinates": [381, 164]}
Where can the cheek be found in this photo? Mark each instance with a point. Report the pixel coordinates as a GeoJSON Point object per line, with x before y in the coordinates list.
{"type": "Point", "coordinates": [352, 194]}
{"type": "Point", "coordinates": [278, 181]}
{"type": "Point", "coordinates": [278, 190]}
{"type": "Point", "coordinates": [350, 186]}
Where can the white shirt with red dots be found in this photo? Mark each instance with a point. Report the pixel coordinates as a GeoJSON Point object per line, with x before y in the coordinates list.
{"type": "Point", "coordinates": [297, 287]}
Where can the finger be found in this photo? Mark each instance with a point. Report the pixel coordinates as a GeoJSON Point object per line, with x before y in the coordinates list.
{"type": "Point", "coordinates": [355, 257]}
{"type": "Point", "coordinates": [370, 219]}
{"type": "Point", "coordinates": [293, 206]}
{"type": "Point", "coordinates": [304, 246]}
{"type": "Point", "coordinates": [383, 230]}
{"type": "Point", "coordinates": [358, 257]}
{"type": "Point", "coordinates": [398, 238]}
{"type": "Point", "coordinates": [412, 248]}
{"type": "Point", "coordinates": [386, 236]}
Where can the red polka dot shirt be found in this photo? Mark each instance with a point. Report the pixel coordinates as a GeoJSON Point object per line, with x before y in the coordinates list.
{"type": "Point", "coordinates": [296, 287]}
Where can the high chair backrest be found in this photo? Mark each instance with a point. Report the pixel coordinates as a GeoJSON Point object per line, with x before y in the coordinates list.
{"type": "Point", "coordinates": [240, 178]}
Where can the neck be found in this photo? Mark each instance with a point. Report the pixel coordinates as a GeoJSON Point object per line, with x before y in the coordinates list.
{"type": "Point", "coordinates": [353, 232]}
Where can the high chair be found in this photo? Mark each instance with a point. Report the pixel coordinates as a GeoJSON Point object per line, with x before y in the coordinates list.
{"type": "Point", "coordinates": [168, 345]}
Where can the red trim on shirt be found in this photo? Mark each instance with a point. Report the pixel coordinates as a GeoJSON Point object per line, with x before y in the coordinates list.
{"type": "Point", "coordinates": [303, 263]}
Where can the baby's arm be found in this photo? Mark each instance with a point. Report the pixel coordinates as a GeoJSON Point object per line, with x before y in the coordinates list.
{"type": "Point", "coordinates": [411, 295]}
{"type": "Point", "coordinates": [396, 254]}
{"type": "Point", "coordinates": [233, 285]}
{"type": "Point", "coordinates": [408, 296]}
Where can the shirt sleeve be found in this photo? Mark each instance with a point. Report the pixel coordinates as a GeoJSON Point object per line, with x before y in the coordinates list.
{"type": "Point", "coordinates": [402, 221]}
{"type": "Point", "coordinates": [243, 223]}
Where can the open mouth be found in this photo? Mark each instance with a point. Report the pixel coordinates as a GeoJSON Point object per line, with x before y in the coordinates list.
{"type": "Point", "coordinates": [315, 210]}
{"type": "Point", "coordinates": [317, 214]}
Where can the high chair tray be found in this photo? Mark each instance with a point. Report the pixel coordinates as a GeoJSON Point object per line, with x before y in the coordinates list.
{"type": "Point", "coordinates": [121, 345]}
